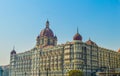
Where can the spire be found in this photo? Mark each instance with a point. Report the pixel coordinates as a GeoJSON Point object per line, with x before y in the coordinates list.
{"type": "Point", "coordinates": [77, 29]}
{"type": "Point", "coordinates": [13, 51]}
{"type": "Point", "coordinates": [77, 36]}
{"type": "Point", "coordinates": [89, 38]}
{"type": "Point", "coordinates": [47, 24]}
{"type": "Point", "coordinates": [13, 47]}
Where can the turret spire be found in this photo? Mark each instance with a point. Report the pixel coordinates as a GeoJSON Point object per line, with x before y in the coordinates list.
{"type": "Point", "coordinates": [13, 47]}
{"type": "Point", "coordinates": [77, 30]}
{"type": "Point", "coordinates": [13, 51]}
{"type": "Point", "coordinates": [89, 38]}
{"type": "Point", "coordinates": [77, 36]}
{"type": "Point", "coordinates": [47, 24]}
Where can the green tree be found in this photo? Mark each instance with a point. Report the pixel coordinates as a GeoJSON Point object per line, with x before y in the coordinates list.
{"type": "Point", "coordinates": [75, 73]}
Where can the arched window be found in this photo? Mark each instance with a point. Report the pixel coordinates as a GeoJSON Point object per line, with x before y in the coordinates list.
{"type": "Point", "coordinates": [48, 41]}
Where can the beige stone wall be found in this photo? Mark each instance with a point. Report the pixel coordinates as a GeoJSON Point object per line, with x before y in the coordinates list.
{"type": "Point", "coordinates": [62, 58]}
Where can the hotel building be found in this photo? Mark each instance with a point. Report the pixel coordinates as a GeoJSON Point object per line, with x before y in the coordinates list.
{"type": "Point", "coordinates": [48, 58]}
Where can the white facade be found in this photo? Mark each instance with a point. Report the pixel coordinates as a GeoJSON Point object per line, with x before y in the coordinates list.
{"type": "Point", "coordinates": [48, 58]}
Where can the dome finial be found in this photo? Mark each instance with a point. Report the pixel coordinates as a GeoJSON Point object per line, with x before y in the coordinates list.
{"type": "Point", "coordinates": [13, 51]}
{"type": "Point", "coordinates": [47, 24]}
{"type": "Point", "coordinates": [77, 30]}
{"type": "Point", "coordinates": [89, 38]}
{"type": "Point", "coordinates": [77, 36]}
{"type": "Point", "coordinates": [14, 47]}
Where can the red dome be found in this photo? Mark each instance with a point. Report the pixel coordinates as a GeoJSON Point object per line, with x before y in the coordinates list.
{"type": "Point", "coordinates": [90, 42]}
{"type": "Point", "coordinates": [47, 31]}
{"type": "Point", "coordinates": [77, 37]}
{"type": "Point", "coordinates": [119, 50]}
{"type": "Point", "coordinates": [13, 52]}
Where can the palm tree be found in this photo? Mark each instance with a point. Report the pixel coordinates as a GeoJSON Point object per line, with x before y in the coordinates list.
{"type": "Point", "coordinates": [75, 73]}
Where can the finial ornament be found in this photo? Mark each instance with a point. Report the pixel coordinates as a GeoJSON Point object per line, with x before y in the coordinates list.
{"type": "Point", "coordinates": [47, 24]}
{"type": "Point", "coordinates": [89, 38]}
{"type": "Point", "coordinates": [77, 30]}
{"type": "Point", "coordinates": [13, 47]}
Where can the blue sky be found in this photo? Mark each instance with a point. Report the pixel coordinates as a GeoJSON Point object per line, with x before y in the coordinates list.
{"type": "Point", "coordinates": [22, 20]}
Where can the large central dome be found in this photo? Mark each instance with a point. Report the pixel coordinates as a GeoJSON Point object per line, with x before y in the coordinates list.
{"type": "Point", "coordinates": [47, 31]}
{"type": "Point", "coordinates": [46, 37]}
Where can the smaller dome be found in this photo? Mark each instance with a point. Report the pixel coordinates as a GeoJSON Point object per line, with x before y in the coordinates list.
{"type": "Point", "coordinates": [119, 50]}
{"type": "Point", "coordinates": [13, 52]}
{"type": "Point", "coordinates": [77, 36]}
{"type": "Point", "coordinates": [55, 37]}
{"type": "Point", "coordinates": [90, 42]}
